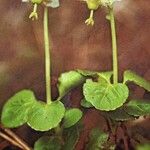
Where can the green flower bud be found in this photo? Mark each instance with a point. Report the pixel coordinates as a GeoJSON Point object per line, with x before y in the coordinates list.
{"type": "Point", "coordinates": [36, 1]}
{"type": "Point", "coordinates": [93, 4]}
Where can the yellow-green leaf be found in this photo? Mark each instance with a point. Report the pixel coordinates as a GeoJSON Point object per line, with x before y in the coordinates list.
{"type": "Point", "coordinates": [97, 139]}
{"type": "Point", "coordinates": [105, 96]}
{"type": "Point", "coordinates": [130, 76]}
{"type": "Point", "coordinates": [47, 143]}
{"type": "Point", "coordinates": [105, 77]}
{"type": "Point", "coordinates": [138, 108]}
{"type": "Point", "coordinates": [68, 81]}
{"type": "Point", "coordinates": [71, 137]}
{"type": "Point", "coordinates": [71, 117]}
{"type": "Point", "coordinates": [88, 73]}
{"type": "Point", "coordinates": [119, 115]}
{"type": "Point", "coordinates": [15, 110]}
{"type": "Point", "coordinates": [44, 117]}
{"type": "Point", "coordinates": [86, 104]}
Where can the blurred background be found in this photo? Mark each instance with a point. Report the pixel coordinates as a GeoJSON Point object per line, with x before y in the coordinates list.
{"type": "Point", "coordinates": [74, 45]}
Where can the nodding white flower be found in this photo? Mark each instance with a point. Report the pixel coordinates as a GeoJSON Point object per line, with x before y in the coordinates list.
{"type": "Point", "coordinates": [48, 3]}
{"type": "Point", "coordinates": [94, 5]}
{"type": "Point", "coordinates": [25, 0]}
{"type": "Point", "coordinates": [108, 2]}
{"type": "Point", "coordinates": [53, 3]}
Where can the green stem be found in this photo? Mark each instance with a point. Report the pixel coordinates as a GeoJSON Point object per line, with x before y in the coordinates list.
{"type": "Point", "coordinates": [114, 46]}
{"type": "Point", "coordinates": [91, 13]}
{"type": "Point", "coordinates": [59, 132]}
{"type": "Point", "coordinates": [35, 8]}
{"type": "Point", "coordinates": [47, 57]}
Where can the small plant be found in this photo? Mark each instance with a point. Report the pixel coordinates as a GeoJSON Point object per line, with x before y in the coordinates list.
{"type": "Point", "coordinates": [102, 91]}
{"type": "Point", "coordinates": [25, 108]}
{"type": "Point", "coordinates": [109, 95]}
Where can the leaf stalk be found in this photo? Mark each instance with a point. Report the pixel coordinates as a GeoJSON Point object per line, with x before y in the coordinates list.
{"type": "Point", "coordinates": [47, 57]}
{"type": "Point", "coordinates": [114, 45]}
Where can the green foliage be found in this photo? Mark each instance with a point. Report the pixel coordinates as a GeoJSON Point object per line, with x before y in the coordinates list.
{"type": "Point", "coordinates": [16, 109]}
{"type": "Point", "coordinates": [86, 104]}
{"type": "Point", "coordinates": [55, 142]}
{"type": "Point", "coordinates": [44, 117]}
{"type": "Point", "coordinates": [88, 73]}
{"type": "Point", "coordinates": [71, 117]}
{"type": "Point", "coordinates": [118, 115]}
{"type": "Point", "coordinates": [130, 111]}
{"type": "Point", "coordinates": [71, 137]}
{"type": "Point", "coordinates": [105, 96]}
{"type": "Point", "coordinates": [143, 147]}
{"type": "Point", "coordinates": [47, 143]}
{"type": "Point", "coordinates": [97, 140]}
{"type": "Point", "coordinates": [104, 77]}
{"type": "Point", "coordinates": [137, 108]}
{"type": "Point", "coordinates": [133, 77]}
{"type": "Point", "coordinates": [68, 81]}
{"type": "Point", "coordinates": [24, 108]}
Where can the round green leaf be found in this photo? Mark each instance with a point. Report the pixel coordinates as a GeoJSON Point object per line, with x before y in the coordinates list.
{"type": "Point", "coordinates": [119, 115]}
{"type": "Point", "coordinates": [105, 96]}
{"type": "Point", "coordinates": [72, 116]}
{"type": "Point", "coordinates": [47, 143]}
{"type": "Point", "coordinates": [88, 73]}
{"type": "Point", "coordinates": [105, 77]}
{"type": "Point", "coordinates": [44, 117]}
{"type": "Point", "coordinates": [138, 108]}
{"type": "Point", "coordinates": [86, 104]}
{"type": "Point", "coordinates": [71, 136]}
{"type": "Point", "coordinates": [15, 110]}
{"type": "Point", "coordinates": [97, 139]}
{"type": "Point", "coordinates": [68, 81]}
{"type": "Point", "coordinates": [130, 76]}
{"type": "Point", "coordinates": [102, 76]}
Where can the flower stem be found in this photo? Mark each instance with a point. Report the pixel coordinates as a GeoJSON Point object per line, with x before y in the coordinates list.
{"type": "Point", "coordinates": [47, 57]}
{"type": "Point", "coordinates": [59, 132]}
{"type": "Point", "coordinates": [91, 13]}
{"type": "Point", "coordinates": [35, 8]}
{"type": "Point", "coordinates": [114, 45]}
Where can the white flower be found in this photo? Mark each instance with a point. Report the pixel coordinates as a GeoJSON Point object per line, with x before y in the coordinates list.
{"type": "Point", "coordinates": [108, 2]}
{"type": "Point", "coordinates": [53, 3]}
{"type": "Point", "coordinates": [25, 0]}
{"type": "Point", "coordinates": [49, 3]}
